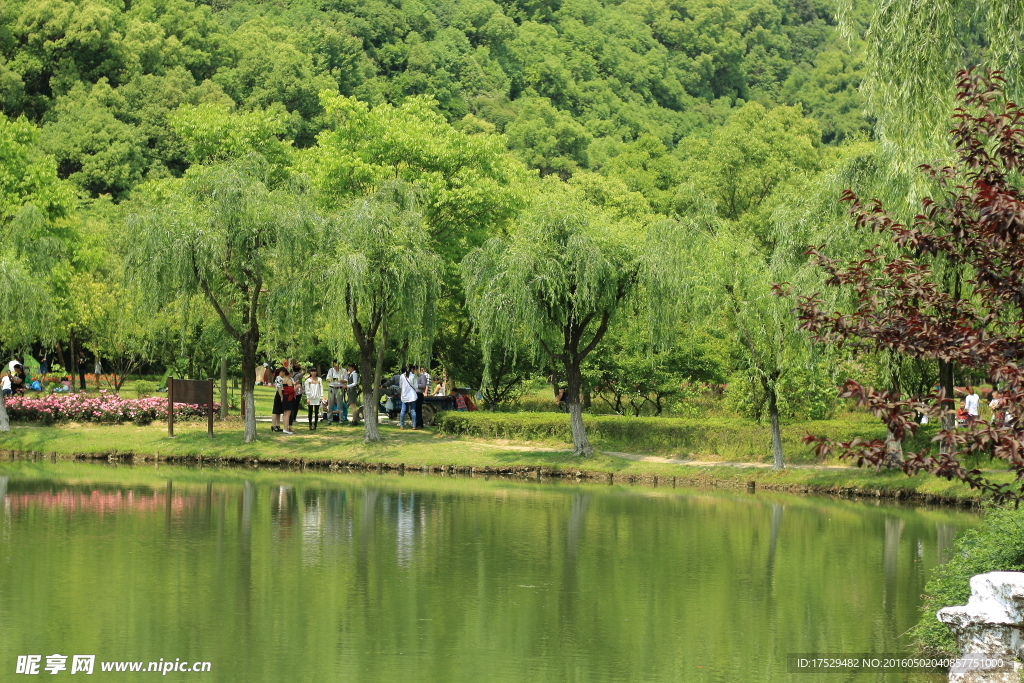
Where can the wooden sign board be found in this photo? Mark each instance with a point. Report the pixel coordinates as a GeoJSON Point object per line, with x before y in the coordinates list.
{"type": "Point", "coordinates": [191, 391]}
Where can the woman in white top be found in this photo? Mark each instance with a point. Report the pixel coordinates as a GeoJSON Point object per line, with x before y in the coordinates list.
{"type": "Point", "coordinates": [407, 384]}
{"type": "Point", "coordinates": [314, 390]}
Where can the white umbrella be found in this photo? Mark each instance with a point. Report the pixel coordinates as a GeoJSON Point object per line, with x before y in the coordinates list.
{"type": "Point", "coordinates": [12, 364]}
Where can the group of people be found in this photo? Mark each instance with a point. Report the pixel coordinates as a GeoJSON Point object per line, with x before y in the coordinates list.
{"type": "Point", "coordinates": [412, 383]}
{"type": "Point", "coordinates": [969, 410]}
{"type": "Point", "coordinates": [291, 384]}
{"type": "Point", "coordinates": [328, 398]}
{"type": "Point", "coordinates": [17, 381]}
{"type": "Point", "coordinates": [14, 380]}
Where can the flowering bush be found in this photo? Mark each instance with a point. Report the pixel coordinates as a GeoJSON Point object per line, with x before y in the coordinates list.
{"type": "Point", "coordinates": [108, 408]}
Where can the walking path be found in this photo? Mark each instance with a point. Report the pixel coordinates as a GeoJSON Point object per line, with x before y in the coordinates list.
{"type": "Point", "coordinates": [635, 457]}
{"type": "Point", "coordinates": [718, 463]}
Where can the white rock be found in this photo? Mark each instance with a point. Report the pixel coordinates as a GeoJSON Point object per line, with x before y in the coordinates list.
{"type": "Point", "coordinates": [990, 625]}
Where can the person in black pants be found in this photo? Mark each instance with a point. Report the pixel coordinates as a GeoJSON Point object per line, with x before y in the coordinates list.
{"type": "Point", "coordinates": [422, 385]}
{"type": "Point", "coordinates": [82, 365]}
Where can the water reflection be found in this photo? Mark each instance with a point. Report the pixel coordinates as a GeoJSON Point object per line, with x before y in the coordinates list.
{"type": "Point", "coordinates": [945, 534]}
{"type": "Point", "coordinates": [405, 529]}
{"type": "Point", "coordinates": [430, 579]}
{"type": "Point", "coordinates": [773, 539]}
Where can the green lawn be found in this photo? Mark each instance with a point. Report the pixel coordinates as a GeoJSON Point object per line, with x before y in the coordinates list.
{"type": "Point", "coordinates": [425, 449]}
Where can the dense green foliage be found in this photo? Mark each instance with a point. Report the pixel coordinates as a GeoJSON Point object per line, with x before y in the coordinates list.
{"type": "Point", "coordinates": [714, 135]}
{"type": "Point", "coordinates": [997, 545]}
{"type": "Point", "coordinates": [577, 84]}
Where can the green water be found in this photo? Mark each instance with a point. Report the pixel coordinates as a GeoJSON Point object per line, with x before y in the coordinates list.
{"type": "Point", "coordinates": [289, 577]}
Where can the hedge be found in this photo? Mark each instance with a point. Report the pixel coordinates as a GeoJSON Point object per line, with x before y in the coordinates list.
{"type": "Point", "coordinates": [727, 438]}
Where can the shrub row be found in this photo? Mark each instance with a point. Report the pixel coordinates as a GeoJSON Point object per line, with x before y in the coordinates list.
{"type": "Point", "coordinates": [727, 438]}
{"type": "Point", "coordinates": [109, 408]}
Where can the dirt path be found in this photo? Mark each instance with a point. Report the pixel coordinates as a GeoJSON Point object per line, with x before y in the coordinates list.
{"type": "Point", "coordinates": [506, 445]}
{"type": "Point", "coordinates": [718, 463]}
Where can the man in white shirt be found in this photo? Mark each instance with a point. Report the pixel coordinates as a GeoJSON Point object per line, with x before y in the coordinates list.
{"type": "Point", "coordinates": [337, 382]}
{"type": "Point", "coordinates": [353, 389]}
{"type": "Point", "coordinates": [971, 401]}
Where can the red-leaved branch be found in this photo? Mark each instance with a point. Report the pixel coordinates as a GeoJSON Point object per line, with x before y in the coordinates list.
{"type": "Point", "coordinates": [955, 293]}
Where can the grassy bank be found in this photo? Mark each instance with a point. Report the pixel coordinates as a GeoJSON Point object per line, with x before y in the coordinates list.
{"type": "Point", "coordinates": [716, 438]}
{"type": "Point", "coordinates": [343, 447]}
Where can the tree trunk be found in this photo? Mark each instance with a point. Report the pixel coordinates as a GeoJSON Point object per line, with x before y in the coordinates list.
{"type": "Point", "coordinates": [224, 387]}
{"type": "Point", "coordinates": [574, 379]}
{"type": "Point", "coordinates": [249, 387]}
{"type": "Point", "coordinates": [949, 404]}
{"type": "Point", "coordinates": [378, 368]}
{"type": "Point", "coordinates": [60, 356]}
{"type": "Point", "coordinates": [371, 433]}
{"type": "Point", "coordinates": [5, 423]}
{"type": "Point", "coordinates": [74, 364]}
{"type": "Point", "coordinates": [773, 415]}
{"type": "Point", "coordinates": [894, 446]}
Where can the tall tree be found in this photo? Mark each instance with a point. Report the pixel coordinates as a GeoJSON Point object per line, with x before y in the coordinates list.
{"type": "Point", "coordinates": [382, 278]}
{"type": "Point", "coordinates": [36, 210]}
{"type": "Point", "coordinates": [221, 233]}
{"type": "Point", "coordinates": [735, 183]}
{"type": "Point", "coordinates": [556, 281]}
{"type": "Point", "coordinates": [914, 50]}
{"type": "Point", "coordinates": [902, 304]}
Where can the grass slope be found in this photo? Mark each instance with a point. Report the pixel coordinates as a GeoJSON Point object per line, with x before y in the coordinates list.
{"type": "Point", "coordinates": [428, 450]}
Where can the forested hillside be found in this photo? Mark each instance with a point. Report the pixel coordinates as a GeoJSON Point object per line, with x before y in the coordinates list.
{"type": "Point", "coordinates": [579, 84]}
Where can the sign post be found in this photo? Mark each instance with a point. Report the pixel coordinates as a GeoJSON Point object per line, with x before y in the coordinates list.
{"type": "Point", "coordinates": [194, 392]}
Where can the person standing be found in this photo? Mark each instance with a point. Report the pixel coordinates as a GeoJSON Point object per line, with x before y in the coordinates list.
{"type": "Point", "coordinates": [297, 376]}
{"type": "Point", "coordinates": [289, 402]}
{"type": "Point", "coordinates": [352, 387]}
{"type": "Point", "coordinates": [422, 385]}
{"type": "Point", "coordinates": [337, 379]}
{"type": "Point", "coordinates": [407, 382]}
{"type": "Point", "coordinates": [81, 369]}
{"type": "Point", "coordinates": [971, 401]}
{"type": "Point", "coordinates": [279, 403]}
{"type": "Point", "coordinates": [996, 405]}
{"type": "Point", "coordinates": [313, 388]}
{"type": "Point", "coordinates": [561, 399]}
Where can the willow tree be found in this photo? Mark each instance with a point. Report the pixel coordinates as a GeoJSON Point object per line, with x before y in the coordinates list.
{"type": "Point", "coordinates": [914, 50]}
{"type": "Point", "coordinates": [220, 233]}
{"type": "Point", "coordinates": [382, 277]}
{"type": "Point", "coordinates": [38, 236]}
{"type": "Point", "coordinates": [555, 282]}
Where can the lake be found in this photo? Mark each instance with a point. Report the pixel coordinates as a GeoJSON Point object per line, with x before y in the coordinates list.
{"type": "Point", "coordinates": [279, 576]}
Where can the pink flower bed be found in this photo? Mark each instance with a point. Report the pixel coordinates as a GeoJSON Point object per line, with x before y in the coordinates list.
{"type": "Point", "coordinates": [103, 408]}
